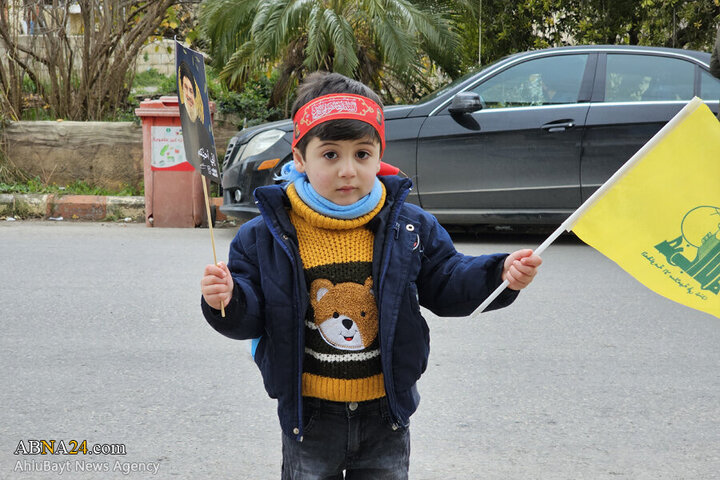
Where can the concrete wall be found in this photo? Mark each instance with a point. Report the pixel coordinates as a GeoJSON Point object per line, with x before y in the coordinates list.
{"type": "Point", "coordinates": [104, 154]}
{"type": "Point", "coordinates": [159, 54]}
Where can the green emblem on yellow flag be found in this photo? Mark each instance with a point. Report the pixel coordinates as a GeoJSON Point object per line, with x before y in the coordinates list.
{"type": "Point", "coordinates": [696, 252]}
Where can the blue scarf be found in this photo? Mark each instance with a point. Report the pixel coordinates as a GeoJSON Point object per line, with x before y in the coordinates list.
{"type": "Point", "coordinates": [322, 205]}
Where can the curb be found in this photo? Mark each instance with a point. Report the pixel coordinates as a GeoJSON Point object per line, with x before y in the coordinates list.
{"type": "Point", "coordinates": [88, 208]}
{"type": "Point", "coordinates": [72, 207]}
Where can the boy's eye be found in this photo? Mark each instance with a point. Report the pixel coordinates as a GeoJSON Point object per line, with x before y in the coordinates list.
{"type": "Point", "coordinates": [363, 155]}
{"type": "Point", "coordinates": [330, 155]}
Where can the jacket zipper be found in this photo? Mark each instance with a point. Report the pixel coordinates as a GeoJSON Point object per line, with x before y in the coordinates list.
{"type": "Point", "coordinates": [394, 214]}
{"type": "Point", "coordinates": [298, 431]}
{"type": "Point", "coordinates": [392, 401]}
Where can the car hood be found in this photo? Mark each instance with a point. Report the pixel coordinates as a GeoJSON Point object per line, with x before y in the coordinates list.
{"type": "Point", "coordinates": [397, 111]}
{"type": "Point", "coordinates": [246, 133]}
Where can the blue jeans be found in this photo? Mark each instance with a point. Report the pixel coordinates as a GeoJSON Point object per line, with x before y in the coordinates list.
{"type": "Point", "coordinates": [357, 438]}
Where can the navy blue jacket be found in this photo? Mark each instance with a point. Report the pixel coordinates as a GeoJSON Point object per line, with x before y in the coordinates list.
{"type": "Point", "coordinates": [414, 263]}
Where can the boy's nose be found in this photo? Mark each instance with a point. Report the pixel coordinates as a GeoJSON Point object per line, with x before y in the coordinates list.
{"type": "Point", "coordinates": [347, 169]}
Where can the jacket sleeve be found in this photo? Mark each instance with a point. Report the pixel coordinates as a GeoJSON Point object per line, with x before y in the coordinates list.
{"type": "Point", "coordinates": [244, 314]}
{"type": "Point", "coordinates": [453, 284]}
{"type": "Point", "coordinates": [715, 58]}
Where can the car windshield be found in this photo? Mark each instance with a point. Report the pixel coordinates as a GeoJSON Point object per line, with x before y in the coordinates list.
{"type": "Point", "coordinates": [454, 83]}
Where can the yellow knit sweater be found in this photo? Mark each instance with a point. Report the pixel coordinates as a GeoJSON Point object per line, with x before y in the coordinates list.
{"type": "Point", "coordinates": [342, 349]}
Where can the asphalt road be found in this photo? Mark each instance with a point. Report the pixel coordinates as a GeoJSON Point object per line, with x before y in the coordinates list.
{"type": "Point", "coordinates": [588, 374]}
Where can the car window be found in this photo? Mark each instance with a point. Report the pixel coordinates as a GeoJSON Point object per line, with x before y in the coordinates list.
{"type": "Point", "coordinates": [644, 78]}
{"type": "Point", "coordinates": [709, 86]}
{"type": "Point", "coordinates": [543, 81]}
{"type": "Point", "coordinates": [454, 83]}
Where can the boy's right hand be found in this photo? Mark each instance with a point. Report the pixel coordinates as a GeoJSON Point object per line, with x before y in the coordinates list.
{"type": "Point", "coordinates": [217, 285]}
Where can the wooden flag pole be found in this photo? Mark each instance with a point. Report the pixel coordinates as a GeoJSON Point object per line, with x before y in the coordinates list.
{"type": "Point", "coordinates": [210, 226]}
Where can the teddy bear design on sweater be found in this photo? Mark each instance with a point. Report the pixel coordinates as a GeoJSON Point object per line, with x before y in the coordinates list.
{"type": "Point", "coordinates": [345, 314]}
{"type": "Point", "coordinates": [342, 349]}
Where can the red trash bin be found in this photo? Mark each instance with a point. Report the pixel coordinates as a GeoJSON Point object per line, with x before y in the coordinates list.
{"type": "Point", "coordinates": [173, 192]}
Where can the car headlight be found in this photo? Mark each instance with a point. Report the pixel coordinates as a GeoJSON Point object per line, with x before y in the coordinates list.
{"type": "Point", "coordinates": [261, 142]}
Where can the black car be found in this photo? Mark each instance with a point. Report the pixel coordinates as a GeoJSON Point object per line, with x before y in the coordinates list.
{"type": "Point", "coordinates": [523, 141]}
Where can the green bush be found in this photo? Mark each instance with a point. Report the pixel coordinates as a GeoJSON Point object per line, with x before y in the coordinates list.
{"type": "Point", "coordinates": [38, 113]}
{"type": "Point", "coordinates": [168, 85]}
{"type": "Point", "coordinates": [28, 86]}
{"type": "Point", "coordinates": [251, 104]}
{"type": "Point", "coordinates": [153, 83]}
{"type": "Point", "coordinates": [150, 77]}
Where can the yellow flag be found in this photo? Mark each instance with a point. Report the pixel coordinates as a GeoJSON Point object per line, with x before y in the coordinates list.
{"type": "Point", "coordinates": [659, 219]}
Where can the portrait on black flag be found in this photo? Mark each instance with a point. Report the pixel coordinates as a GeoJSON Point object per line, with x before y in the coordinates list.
{"type": "Point", "coordinates": [195, 113]}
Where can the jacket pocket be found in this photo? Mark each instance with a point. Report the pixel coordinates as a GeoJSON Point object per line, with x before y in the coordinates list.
{"type": "Point", "coordinates": [279, 366]}
{"type": "Point", "coordinates": [411, 347]}
{"type": "Point", "coordinates": [263, 359]}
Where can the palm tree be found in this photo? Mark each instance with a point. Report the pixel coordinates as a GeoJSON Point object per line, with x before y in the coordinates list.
{"type": "Point", "coordinates": [390, 45]}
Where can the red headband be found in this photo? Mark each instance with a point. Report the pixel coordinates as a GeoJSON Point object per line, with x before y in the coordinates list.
{"type": "Point", "coordinates": [336, 106]}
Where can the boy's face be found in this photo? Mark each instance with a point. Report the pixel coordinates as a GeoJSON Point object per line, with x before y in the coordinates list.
{"type": "Point", "coordinates": [342, 171]}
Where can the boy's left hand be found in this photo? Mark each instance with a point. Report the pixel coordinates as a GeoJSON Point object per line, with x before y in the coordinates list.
{"type": "Point", "coordinates": [520, 268]}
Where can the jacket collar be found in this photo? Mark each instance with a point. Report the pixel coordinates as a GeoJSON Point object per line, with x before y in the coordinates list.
{"type": "Point", "coordinates": [273, 202]}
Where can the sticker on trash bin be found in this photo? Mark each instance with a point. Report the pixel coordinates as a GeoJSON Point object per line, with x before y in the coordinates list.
{"type": "Point", "coordinates": [168, 152]}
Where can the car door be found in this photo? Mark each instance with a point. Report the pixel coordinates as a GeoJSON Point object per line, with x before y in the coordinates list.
{"type": "Point", "coordinates": [519, 156]}
{"type": "Point", "coordinates": [635, 94]}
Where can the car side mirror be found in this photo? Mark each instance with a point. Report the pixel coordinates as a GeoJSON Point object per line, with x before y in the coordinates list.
{"type": "Point", "coordinates": [465, 102]}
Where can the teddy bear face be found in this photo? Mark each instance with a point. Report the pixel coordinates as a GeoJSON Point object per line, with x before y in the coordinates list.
{"type": "Point", "coordinates": [345, 314]}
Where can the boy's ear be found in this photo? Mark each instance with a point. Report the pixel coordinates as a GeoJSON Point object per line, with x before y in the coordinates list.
{"type": "Point", "coordinates": [298, 160]}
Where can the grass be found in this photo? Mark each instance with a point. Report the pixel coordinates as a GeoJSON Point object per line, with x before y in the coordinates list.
{"type": "Point", "coordinates": [153, 82]}
{"type": "Point", "coordinates": [78, 187]}
{"type": "Point", "coordinates": [148, 78]}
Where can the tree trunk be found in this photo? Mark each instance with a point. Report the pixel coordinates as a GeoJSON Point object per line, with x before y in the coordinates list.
{"type": "Point", "coordinates": [83, 77]}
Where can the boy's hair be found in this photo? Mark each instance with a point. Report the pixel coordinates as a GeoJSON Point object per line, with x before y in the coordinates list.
{"type": "Point", "coordinates": [318, 84]}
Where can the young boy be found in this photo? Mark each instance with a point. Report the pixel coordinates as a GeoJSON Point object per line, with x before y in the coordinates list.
{"type": "Point", "coordinates": [331, 277]}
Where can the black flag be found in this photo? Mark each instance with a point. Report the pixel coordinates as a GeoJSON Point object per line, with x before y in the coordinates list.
{"type": "Point", "coordinates": [195, 112]}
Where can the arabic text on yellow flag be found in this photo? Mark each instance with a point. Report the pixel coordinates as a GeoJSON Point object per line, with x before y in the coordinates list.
{"type": "Point", "coordinates": [660, 221]}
